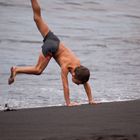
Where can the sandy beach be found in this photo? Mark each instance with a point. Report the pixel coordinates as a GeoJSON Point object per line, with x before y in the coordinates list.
{"type": "Point", "coordinates": [105, 35]}
{"type": "Point", "coordinates": [106, 121]}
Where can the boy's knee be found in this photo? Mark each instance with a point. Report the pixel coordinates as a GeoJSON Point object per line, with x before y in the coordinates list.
{"type": "Point", "coordinates": [38, 71]}
{"type": "Point", "coordinates": [37, 18]}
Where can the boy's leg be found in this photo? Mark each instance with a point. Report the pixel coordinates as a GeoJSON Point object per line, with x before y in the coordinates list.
{"type": "Point", "coordinates": [42, 61]}
{"type": "Point", "coordinates": [36, 70]}
{"type": "Point", "coordinates": [41, 25]}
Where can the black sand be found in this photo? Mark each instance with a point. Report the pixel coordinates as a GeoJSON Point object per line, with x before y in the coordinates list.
{"type": "Point", "coordinates": [107, 121]}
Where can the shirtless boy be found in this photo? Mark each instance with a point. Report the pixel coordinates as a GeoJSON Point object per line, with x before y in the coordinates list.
{"type": "Point", "coordinates": [52, 47]}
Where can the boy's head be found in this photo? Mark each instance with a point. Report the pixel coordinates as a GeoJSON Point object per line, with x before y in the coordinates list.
{"type": "Point", "coordinates": [81, 75]}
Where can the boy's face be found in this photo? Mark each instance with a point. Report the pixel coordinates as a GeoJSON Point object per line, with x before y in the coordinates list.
{"type": "Point", "coordinates": [77, 82]}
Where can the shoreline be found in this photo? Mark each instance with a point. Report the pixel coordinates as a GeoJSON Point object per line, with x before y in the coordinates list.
{"type": "Point", "coordinates": [14, 108]}
{"type": "Point", "coordinates": [115, 120]}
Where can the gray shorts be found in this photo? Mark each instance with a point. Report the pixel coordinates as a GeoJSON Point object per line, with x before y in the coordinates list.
{"type": "Point", "coordinates": [51, 44]}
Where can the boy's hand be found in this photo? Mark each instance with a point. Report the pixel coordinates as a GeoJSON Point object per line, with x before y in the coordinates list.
{"type": "Point", "coordinates": [92, 102]}
{"type": "Point", "coordinates": [73, 104]}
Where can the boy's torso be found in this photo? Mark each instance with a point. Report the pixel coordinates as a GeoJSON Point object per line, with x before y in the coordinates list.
{"type": "Point", "coordinates": [65, 57]}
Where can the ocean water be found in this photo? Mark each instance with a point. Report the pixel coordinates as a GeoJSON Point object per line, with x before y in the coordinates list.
{"type": "Point", "coordinates": [104, 34]}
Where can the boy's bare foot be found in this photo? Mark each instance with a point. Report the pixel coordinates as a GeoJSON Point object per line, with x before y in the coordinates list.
{"type": "Point", "coordinates": [12, 76]}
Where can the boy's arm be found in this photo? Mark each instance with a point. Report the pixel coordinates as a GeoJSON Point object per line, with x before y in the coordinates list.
{"type": "Point", "coordinates": [64, 76]}
{"type": "Point", "coordinates": [89, 94]}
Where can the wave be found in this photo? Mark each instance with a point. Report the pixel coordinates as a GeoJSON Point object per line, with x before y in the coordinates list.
{"type": "Point", "coordinates": [72, 3]}
{"type": "Point", "coordinates": [6, 4]}
{"type": "Point", "coordinates": [132, 16]}
{"type": "Point", "coordinates": [21, 41]}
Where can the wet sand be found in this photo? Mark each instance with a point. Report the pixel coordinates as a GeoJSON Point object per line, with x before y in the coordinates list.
{"type": "Point", "coordinates": [106, 121]}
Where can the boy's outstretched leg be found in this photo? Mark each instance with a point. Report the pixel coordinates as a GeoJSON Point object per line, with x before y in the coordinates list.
{"type": "Point", "coordinates": [43, 60]}
{"type": "Point", "coordinates": [41, 25]}
{"type": "Point", "coordinates": [36, 70]}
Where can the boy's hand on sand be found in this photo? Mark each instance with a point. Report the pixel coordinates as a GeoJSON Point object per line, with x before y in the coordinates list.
{"type": "Point", "coordinates": [73, 104]}
{"type": "Point", "coordinates": [92, 102]}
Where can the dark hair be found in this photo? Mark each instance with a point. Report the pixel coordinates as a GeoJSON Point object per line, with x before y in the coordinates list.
{"type": "Point", "coordinates": [82, 74]}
